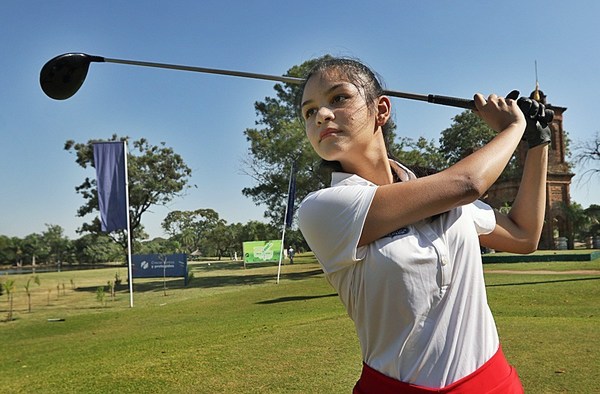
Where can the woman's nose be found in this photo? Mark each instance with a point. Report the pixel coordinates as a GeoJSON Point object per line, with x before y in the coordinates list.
{"type": "Point", "coordinates": [324, 114]}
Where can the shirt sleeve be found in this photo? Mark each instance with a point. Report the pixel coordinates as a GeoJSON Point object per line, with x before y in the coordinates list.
{"type": "Point", "coordinates": [484, 217]}
{"type": "Point", "coordinates": [332, 220]}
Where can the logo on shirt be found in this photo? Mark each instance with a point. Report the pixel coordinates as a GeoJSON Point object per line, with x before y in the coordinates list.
{"type": "Point", "coordinates": [400, 231]}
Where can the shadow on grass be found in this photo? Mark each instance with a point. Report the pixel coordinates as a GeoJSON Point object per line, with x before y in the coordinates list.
{"type": "Point", "coordinates": [209, 282]}
{"type": "Point", "coordinates": [215, 266]}
{"type": "Point", "coordinates": [295, 298]}
{"type": "Point", "coordinates": [208, 266]}
{"type": "Point", "coordinates": [543, 282]}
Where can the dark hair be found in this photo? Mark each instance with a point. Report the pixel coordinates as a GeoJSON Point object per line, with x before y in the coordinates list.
{"type": "Point", "coordinates": [366, 80]}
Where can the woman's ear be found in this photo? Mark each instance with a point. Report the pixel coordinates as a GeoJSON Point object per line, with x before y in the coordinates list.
{"type": "Point", "coordinates": [384, 110]}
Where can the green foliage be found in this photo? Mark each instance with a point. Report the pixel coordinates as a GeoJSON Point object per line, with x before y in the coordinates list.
{"type": "Point", "coordinates": [10, 249]}
{"type": "Point", "coordinates": [160, 246]}
{"type": "Point", "coordinates": [156, 176]}
{"type": "Point", "coordinates": [9, 287]}
{"type": "Point", "coordinates": [38, 247]}
{"type": "Point", "coordinates": [111, 289]}
{"type": "Point", "coordinates": [257, 231]}
{"type": "Point", "coordinates": [274, 147]}
{"type": "Point", "coordinates": [421, 156]}
{"type": "Point", "coordinates": [220, 239]}
{"type": "Point", "coordinates": [190, 228]}
{"type": "Point", "coordinates": [585, 222]}
{"type": "Point", "coordinates": [467, 134]}
{"type": "Point", "coordinates": [101, 295]}
{"type": "Point", "coordinates": [189, 275]}
{"type": "Point", "coordinates": [593, 213]}
{"type": "Point", "coordinates": [49, 247]}
{"type": "Point", "coordinates": [118, 279]}
{"type": "Point", "coordinates": [36, 280]}
{"type": "Point", "coordinates": [56, 242]}
{"type": "Point", "coordinates": [96, 248]}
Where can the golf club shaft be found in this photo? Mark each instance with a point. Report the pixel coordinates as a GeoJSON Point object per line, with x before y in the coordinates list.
{"type": "Point", "coordinates": [430, 98]}
{"type": "Point", "coordinates": [292, 80]}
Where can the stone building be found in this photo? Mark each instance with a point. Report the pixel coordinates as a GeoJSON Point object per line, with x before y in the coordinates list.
{"type": "Point", "coordinates": [557, 225]}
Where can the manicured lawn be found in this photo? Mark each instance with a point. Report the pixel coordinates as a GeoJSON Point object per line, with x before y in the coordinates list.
{"type": "Point", "coordinates": [235, 330]}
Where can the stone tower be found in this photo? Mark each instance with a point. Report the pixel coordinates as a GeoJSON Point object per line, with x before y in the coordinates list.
{"type": "Point", "coordinates": [557, 224]}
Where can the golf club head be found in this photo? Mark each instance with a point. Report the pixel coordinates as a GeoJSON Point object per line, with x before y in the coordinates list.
{"type": "Point", "coordinates": [62, 76]}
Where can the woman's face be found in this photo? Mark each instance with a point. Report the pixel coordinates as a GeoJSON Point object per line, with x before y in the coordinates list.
{"type": "Point", "coordinates": [339, 124]}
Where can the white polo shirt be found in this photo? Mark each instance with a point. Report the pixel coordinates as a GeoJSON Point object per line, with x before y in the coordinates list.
{"type": "Point", "coordinates": [417, 296]}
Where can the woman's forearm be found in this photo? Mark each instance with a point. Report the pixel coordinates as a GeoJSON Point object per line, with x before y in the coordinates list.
{"type": "Point", "coordinates": [529, 207]}
{"type": "Point", "coordinates": [483, 167]}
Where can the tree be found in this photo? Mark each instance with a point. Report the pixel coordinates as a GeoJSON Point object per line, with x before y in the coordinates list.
{"type": "Point", "coordinates": [15, 250]}
{"type": "Point", "coordinates": [593, 214]}
{"type": "Point", "coordinates": [160, 246]}
{"type": "Point", "coordinates": [36, 280]}
{"type": "Point", "coordinates": [189, 228]}
{"type": "Point", "coordinates": [257, 231]}
{"type": "Point", "coordinates": [467, 134]}
{"type": "Point", "coordinates": [274, 147]}
{"type": "Point", "coordinates": [34, 248]}
{"type": "Point", "coordinates": [588, 154]}
{"type": "Point", "coordinates": [9, 287]}
{"type": "Point", "coordinates": [95, 248]}
{"type": "Point", "coordinates": [580, 221]}
{"type": "Point", "coordinates": [156, 176]}
{"type": "Point", "coordinates": [7, 250]}
{"type": "Point", "coordinates": [221, 239]}
{"type": "Point", "coordinates": [56, 242]}
{"type": "Point", "coordinates": [421, 156]}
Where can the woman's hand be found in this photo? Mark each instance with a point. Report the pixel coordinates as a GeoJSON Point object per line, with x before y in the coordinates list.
{"type": "Point", "coordinates": [498, 112]}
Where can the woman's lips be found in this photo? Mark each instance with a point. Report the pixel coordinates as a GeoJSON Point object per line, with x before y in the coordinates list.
{"type": "Point", "coordinates": [327, 132]}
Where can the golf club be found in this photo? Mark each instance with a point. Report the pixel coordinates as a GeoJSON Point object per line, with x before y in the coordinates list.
{"type": "Point", "coordinates": [62, 76]}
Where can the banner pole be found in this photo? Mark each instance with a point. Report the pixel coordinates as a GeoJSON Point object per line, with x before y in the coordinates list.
{"type": "Point", "coordinates": [281, 251]}
{"type": "Point", "coordinates": [129, 264]}
{"type": "Point", "coordinates": [287, 206]}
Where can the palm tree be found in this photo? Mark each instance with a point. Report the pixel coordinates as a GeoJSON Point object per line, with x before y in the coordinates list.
{"type": "Point", "coordinates": [9, 286]}
{"type": "Point", "coordinates": [36, 280]}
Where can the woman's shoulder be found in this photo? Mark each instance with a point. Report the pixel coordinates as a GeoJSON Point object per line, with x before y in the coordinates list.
{"type": "Point", "coordinates": [342, 198]}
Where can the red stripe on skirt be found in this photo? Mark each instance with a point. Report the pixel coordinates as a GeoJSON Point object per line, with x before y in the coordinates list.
{"type": "Point", "coordinates": [496, 376]}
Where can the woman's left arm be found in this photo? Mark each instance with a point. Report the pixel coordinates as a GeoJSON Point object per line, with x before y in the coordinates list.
{"type": "Point", "coordinates": [519, 231]}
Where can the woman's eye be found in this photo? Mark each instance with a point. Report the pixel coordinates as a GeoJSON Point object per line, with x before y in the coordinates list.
{"type": "Point", "coordinates": [339, 98]}
{"type": "Point", "coordinates": [309, 112]}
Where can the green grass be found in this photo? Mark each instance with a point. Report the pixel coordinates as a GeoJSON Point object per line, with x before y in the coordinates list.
{"type": "Point", "coordinates": [235, 330]}
{"type": "Point", "coordinates": [549, 327]}
{"type": "Point", "coordinates": [556, 266]}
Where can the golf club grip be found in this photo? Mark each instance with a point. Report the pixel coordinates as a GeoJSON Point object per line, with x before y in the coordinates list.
{"type": "Point", "coordinates": [451, 101]}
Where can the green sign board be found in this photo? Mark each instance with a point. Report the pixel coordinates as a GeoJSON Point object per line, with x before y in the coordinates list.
{"type": "Point", "coordinates": [262, 251]}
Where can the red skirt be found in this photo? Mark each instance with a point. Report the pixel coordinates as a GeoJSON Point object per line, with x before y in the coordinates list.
{"type": "Point", "coordinates": [496, 376]}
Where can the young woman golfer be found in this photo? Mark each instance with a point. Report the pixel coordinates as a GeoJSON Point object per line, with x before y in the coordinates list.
{"type": "Point", "coordinates": [403, 252]}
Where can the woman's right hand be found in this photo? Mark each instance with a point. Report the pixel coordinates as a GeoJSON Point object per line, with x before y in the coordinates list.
{"type": "Point", "coordinates": [498, 112]}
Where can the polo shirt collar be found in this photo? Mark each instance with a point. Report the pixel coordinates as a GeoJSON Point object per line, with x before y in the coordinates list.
{"type": "Point", "coordinates": [343, 178]}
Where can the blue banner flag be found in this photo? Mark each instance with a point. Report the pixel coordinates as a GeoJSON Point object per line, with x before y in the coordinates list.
{"type": "Point", "coordinates": [291, 197]}
{"type": "Point", "coordinates": [109, 159]}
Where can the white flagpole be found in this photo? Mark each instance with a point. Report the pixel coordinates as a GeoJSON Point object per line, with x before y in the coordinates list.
{"type": "Point", "coordinates": [281, 250]}
{"type": "Point", "coordinates": [284, 218]}
{"type": "Point", "coordinates": [128, 229]}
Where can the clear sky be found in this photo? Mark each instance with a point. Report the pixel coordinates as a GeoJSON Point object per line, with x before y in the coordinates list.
{"type": "Point", "coordinates": [453, 48]}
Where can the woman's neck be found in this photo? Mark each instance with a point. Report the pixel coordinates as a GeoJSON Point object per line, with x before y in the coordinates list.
{"type": "Point", "coordinates": [374, 168]}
